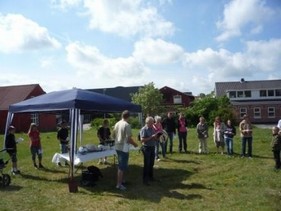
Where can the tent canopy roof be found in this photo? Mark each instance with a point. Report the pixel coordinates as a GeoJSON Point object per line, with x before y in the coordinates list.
{"type": "Point", "coordinates": [73, 98]}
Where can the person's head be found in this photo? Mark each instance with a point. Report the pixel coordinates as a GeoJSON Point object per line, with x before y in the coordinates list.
{"type": "Point", "coordinates": [11, 129]}
{"type": "Point", "coordinates": [217, 119]}
{"type": "Point", "coordinates": [125, 115]}
{"type": "Point", "coordinates": [275, 130]}
{"type": "Point", "coordinates": [149, 121]}
{"type": "Point", "coordinates": [181, 116]}
{"type": "Point", "coordinates": [169, 114]}
{"type": "Point", "coordinates": [105, 123]}
{"type": "Point", "coordinates": [246, 117]}
{"type": "Point", "coordinates": [201, 119]}
{"type": "Point", "coordinates": [63, 124]}
{"type": "Point", "coordinates": [32, 127]}
{"type": "Point", "coordinates": [157, 119]}
{"type": "Point", "coordinates": [228, 122]}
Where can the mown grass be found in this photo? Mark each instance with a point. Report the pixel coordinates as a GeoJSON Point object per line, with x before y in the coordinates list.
{"type": "Point", "coordinates": [187, 181]}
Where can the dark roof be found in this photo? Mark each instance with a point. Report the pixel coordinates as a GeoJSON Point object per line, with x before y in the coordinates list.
{"type": "Point", "coordinates": [120, 92]}
{"type": "Point", "coordinates": [222, 87]}
{"type": "Point", "coordinates": [14, 94]}
{"type": "Point", "coordinates": [176, 91]}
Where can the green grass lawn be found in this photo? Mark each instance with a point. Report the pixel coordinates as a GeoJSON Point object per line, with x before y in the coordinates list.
{"type": "Point", "coordinates": [187, 181]}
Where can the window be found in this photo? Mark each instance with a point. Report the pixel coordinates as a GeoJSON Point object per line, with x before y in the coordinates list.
{"type": "Point", "coordinates": [271, 112]}
{"type": "Point", "coordinates": [240, 94]}
{"type": "Point", "coordinates": [248, 94]}
{"type": "Point", "coordinates": [35, 118]}
{"type": "Point", "coordinates": [243, 111]}
{"type": "Point", "coordinates": [278, 92]}
{"type": "Point", "coordinates": [270, 93]}
{"type": "Point", "coordinates": [232, 94]}
{"type": "Point", "coordinates": [177, 99]}
{"type": "Point", "coordinates": [263, 93]}
{"type": "Point", "coordinates": [257, 112]}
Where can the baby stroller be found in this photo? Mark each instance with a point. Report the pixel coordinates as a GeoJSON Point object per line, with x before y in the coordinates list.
{"type": "Point", "coordinates": [5, 179]}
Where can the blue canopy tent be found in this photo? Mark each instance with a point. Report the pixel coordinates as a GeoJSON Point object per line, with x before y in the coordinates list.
{"type": "Point", "coordinates": [75, 101]}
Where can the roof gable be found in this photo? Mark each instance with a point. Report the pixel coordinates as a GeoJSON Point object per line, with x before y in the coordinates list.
{"type": "Point", "coordinates": [14, 94]}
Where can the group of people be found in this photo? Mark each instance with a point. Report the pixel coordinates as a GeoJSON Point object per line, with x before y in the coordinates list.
{"type": "Point", "coordinates": [151, 138]}
{"type": "Point", "coordinates": [34, 145]}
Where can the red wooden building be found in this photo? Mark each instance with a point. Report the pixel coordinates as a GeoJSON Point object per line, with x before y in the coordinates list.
{"type": "Point", "coordinates": [174, 98]}
{"type": "Point", "coordinates": [14, 94]}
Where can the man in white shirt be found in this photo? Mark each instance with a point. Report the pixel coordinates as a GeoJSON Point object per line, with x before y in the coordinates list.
{"type": "Point", "coordinates": [279, 124]}
{"type": "Point", "coordinates": [122, 134]}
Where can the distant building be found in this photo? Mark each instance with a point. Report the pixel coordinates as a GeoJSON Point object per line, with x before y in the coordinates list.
{"type": "Point", "coordinates": [14, 94]}
{"type": "Point", "coordinates": [261, 100]}
{"type": "Point", "coordinates": [174, 98]}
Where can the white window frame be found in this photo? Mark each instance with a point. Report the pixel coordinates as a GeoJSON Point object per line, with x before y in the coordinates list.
{"type": "Point", "coordinates": [257, 112]}
{"type": "Point", "coordinates": [242, 113]}
{"type": "Point", "coordinates": [177, 99]}
{"type": "Point", "coordinates": [35, 118]}
{"type": "Point", "coordinates": [273, 112]}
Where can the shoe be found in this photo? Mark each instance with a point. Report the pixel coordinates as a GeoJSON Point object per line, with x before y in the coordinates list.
{"type": "Point", "coordinates": [35, 165]}
{"type": "Point", "coordinates": [14, 172]}
{"type": "Point", "coordinates": [146, 183]}
{"type": "Point", "coordinates": [41, 166]}
{"type": "Point", "coordinates": [121, 187]}
{"type": "Point", "coordinates": [158, 159]}
{"type": "Point", "coordinates": [250, 158]}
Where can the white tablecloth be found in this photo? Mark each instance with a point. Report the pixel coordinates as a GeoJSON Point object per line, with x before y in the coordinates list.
{"type": "Point", "coordinates": [79, 158]}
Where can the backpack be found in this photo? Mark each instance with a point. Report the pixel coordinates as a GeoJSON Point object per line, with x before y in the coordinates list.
{"type": "Point", "coordinates": [90, 176]}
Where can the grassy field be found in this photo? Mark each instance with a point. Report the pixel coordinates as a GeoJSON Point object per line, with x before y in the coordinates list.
{"type": "Point", "coordinates": [187, 181]}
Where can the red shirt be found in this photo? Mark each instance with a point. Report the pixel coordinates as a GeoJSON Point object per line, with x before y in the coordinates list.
{"type": "Point", "coordinates": [34, 137]}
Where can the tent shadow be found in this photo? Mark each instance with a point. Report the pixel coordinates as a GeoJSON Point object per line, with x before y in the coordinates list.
{"type": "Point", "coordinates": [169, 183]}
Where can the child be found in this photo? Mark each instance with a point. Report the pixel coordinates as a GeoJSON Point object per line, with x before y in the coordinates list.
{"type": "Point", "coordinates": [11, 147]}
{"type": "Point", "coordinates": [35, 145]}
{"type": "Point", "coordinates": [276, 146]}
{"type": "Point", "coordinates": [62, 136]}
{"type": "Point", "coordinates": [103, 135]}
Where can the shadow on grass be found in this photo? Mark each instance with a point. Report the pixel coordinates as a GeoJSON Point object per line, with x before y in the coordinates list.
{"type": "Point", "coordinates": [10, 188]}
{"type": "Point", "coordinates": [169, 183]}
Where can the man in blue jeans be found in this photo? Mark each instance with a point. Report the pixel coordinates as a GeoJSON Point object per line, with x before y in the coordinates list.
{"type": "Point", "coordinates": [148, 138]}
{"type": "Point", "coordinates": [246, 133]}
{"type": "Point", "coordinates": [122, 133]}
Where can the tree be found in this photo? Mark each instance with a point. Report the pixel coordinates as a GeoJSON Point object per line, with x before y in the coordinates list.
{"type": "Point", "coordinates": [210, 107]}
{"type": "Point", "coordinates": [150, 99]}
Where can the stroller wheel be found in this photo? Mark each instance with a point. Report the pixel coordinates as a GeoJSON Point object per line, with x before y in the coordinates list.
{"type": "Point", "coordinates": [6, 180]}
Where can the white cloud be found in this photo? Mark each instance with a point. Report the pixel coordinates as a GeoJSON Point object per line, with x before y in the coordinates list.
{"type": "Point", "coordinates": [89, 61]}
{"type": "Point", "coordinates": [19, 34]}
{"type": "Point", "coordinates": [239, 14]}
{"type": "Point", "coordinates": [260, 57]}
{"type": "Point", "coordinates": [265, 55]}
{"type": "Point", "coordinates": [65, 4]}
{"type": "Point", "coordinates": [127, 18]}
{"type": "Point", "coordinates": [157, 51]}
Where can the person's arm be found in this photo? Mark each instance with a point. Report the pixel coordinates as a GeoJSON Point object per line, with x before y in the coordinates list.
{"type": "Point", "coordinates": [131, 141]}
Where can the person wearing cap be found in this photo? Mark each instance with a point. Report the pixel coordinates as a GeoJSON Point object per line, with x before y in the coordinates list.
{"type": "Point", "coordinates": [35, 145]}
{"type": "Point", "coordinates": [62, 136]}
{"type": "Point", "coordinates": [11, 148]}
{"type": "Point", "coordinates": [246, 134]}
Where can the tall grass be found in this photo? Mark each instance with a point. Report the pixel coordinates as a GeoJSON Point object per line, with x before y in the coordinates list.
{"type": "Point", "coordinates": [186, 181]}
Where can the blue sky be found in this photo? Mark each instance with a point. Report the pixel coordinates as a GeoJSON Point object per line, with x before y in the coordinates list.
{"type": "Point", "coordinates": [186, 45]}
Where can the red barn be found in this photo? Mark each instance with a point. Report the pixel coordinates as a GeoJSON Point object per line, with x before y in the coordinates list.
{"type": "Point", "coordinates": [14, 94]}
{"type": "Point", "coordinates": [173, 98]}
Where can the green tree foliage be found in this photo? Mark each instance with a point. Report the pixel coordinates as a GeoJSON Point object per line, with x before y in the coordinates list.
{"type": "Point", "coordinates": [210, 107]}
{"type": "Point", "coordinates": [150, 99]}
